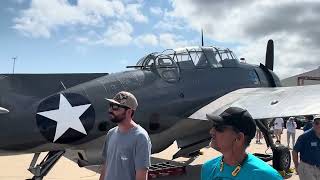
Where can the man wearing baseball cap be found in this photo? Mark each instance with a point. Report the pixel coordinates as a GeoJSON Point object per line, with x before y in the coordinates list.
{"type": "Point", "coordinates": [127, 148]}
{"type": "Point", "coordinates": [231, 134]}
{"type": "Point", "coordinates": [306, 153]}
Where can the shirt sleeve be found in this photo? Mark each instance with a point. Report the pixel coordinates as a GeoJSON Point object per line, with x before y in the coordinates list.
{"type": "Point", "coordinates": [105, 146]}
{"type": "Point", "coordinates": [299, 145]}
{"type": "Point", "coordinates": [142, 153]}
{"type": "Point", "coordinates": [264, 174]}
{"type": "Point", "coordinates": [305, 127]}
{"type": "Point", "coordinates": [206, 169]}
{"type": "Point", "coordinates": [203, 172]}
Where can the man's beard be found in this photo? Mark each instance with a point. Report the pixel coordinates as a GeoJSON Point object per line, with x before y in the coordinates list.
{"type": "Point", "coordinates": [117, 119]}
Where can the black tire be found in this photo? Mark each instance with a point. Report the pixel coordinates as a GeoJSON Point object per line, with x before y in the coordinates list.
{"type": "Point", "coordinates": [281, 158]}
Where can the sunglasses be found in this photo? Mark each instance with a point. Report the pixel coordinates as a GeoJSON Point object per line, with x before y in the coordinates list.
{"type": "Point", "coordinates": [116, 107]}
{"type": "Point", "coordinates": [219, 128]}
{"type": "Point", "coordinates": [222, 128]}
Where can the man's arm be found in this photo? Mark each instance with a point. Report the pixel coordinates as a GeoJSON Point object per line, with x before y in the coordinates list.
{"type": "Point", "coordinates": [142, 157]}
{"type": "Point", "coordinates": [295, 160]}
{"type": "Point", "coordinates": [142, 174]}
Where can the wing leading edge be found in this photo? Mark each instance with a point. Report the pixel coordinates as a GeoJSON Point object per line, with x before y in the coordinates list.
{"type": "Point", "coordinates": [265, 103]}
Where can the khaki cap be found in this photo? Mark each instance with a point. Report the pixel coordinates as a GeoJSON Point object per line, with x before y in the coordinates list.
{"type": "Point", "coordinates": [126, 99]}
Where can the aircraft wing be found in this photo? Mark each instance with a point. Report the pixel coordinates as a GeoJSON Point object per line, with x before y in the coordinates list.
{"type": "Point", "coordinates": [269, 102]}
{"type": "Point", "coordinates": [42, 85]}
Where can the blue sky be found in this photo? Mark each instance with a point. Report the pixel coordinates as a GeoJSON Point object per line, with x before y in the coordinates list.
{"type": "Point", "coordinates": [67, 49]}
{"type": "Point", "coordinates": [69, 36]}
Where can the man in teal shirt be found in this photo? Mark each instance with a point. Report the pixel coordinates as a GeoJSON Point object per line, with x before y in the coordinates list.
{"type": "Point", "coordinates": [231, 134]}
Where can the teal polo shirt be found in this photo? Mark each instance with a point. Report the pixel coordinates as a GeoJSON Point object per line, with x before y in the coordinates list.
{"type": "Point", "coordinates": [252, 169]}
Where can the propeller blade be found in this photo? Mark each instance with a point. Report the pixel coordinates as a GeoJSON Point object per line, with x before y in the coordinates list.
{"type": "Point", "coordinates": [270, 55]}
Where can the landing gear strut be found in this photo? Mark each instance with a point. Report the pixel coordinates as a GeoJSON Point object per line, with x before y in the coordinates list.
{"type": "Point", "coordinates": [281, 158]}
{"type": "Point", "coordinates": [42, 169]}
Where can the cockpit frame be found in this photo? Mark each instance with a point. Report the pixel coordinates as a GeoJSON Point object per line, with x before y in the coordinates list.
{"type": "Point", "coordinates": [188, 58]}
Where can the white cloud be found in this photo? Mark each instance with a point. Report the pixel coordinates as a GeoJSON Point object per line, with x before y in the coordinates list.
{"type": "Point", "coordinates": [286, 63]}
{"type": "Point", "coordinates": [82, 39]}
{"type": "Point", "coordinates": [293, 26]}
{"type": "Point", "coordinates": [133, 12]}
{"type": "Point", "coordinates": [133, 1]}
{"type": "Point", "coordinates": [156, 11]}
{"type": "Point", "coordinates": [97, 9]}
{"type": "Point", "coordinates": [148, 39]}
{"type": "Point", "coordinates": [170, 22]}
{"type": "Point", "coordinates": [44, 17]}
{"type": "Point", "coordinates": [118, 34]}
{"type": "Point", "coordinates": [173, 41]}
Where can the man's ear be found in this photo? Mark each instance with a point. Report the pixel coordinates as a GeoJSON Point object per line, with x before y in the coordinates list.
{"type": "Point", "coordinates": [129, 112]}
{"type": "Point", "coordinates": [240, 137]}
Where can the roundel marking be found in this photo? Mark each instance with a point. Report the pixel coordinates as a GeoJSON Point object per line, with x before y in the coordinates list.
{"type": "Point", "coordinates": [65, 118]}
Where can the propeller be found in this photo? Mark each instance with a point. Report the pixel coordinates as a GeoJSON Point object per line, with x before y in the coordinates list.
{"type": "Point", "coordinates": [270, 55]}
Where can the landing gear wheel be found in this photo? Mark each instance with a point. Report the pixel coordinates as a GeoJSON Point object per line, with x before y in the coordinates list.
{"type": "Point", "coordinates": [281, 158]}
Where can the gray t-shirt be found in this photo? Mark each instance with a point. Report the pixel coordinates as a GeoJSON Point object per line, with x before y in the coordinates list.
{"type": "Point", "coordinates": [126, 152]}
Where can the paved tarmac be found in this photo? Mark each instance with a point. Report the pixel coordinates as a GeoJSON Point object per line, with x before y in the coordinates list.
{"type": "Point", "coordinates": [15, 167]}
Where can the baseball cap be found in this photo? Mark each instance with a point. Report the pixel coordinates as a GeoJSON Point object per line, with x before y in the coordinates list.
{"type": "Point", "coordinates": [126, 99]}
{"type": "Point", "coordinates": [238, 118]}
{"type": "Point", "coordinates": [316, 118]}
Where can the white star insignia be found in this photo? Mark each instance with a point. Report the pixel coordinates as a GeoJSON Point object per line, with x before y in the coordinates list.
{"type": "Point", "coordinates": [66, 117]}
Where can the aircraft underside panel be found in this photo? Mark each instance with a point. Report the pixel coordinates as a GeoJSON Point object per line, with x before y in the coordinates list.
{"type": "Point", "coordinates": [265, 103]}
{"type": "Point", "coordinates": [183, 129]}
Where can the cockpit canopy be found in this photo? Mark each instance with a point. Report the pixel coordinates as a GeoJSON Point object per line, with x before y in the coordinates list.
{"type": "Point", "coordinates": [189, 58]}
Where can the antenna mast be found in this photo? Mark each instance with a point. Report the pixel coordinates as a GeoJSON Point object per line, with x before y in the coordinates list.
{"type": "Point", "coordinates": [14, 63]}
{"type": "Point", "coordinates": [202, 44]}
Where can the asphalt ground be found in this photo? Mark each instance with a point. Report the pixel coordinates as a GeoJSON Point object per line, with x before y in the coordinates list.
{"type": "Point", "coordinates": [15, 167]}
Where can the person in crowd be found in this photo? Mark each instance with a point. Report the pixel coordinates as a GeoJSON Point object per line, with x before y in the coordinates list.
{"type": "Point", "coordinates": [258, 136]}
{"type": "Point", "coordinates": [127, 147]}
{"type": "Point", "coordinates": [291, 131]}
{"type": "Point", "coordinates": [306, 153]}
{"type": "Point", "coordinates": [308, 125]}
{"type": "Point", "coordinates": [278, 128]}
{"type": "Point", "coordinates": [231, 134]}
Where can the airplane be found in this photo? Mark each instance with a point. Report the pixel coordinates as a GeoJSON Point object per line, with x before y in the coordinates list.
{"type": "Point", "coordinates": [67, 113]}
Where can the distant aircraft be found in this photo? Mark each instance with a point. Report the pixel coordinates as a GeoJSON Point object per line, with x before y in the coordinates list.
{"type": "Point", "coordinates": [175, 90]}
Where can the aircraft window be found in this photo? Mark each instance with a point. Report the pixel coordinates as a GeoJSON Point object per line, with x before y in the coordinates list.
{"type": "Point", "coordinates": [225, 56]}
{"type": "Point", "coordinates": [213, 57]}
{"type": "Point", "coordinates": [218, 58]}
{"type": "Point", "coordinates": [151, 61]}
{"type": "Point", "coordinates": [184, 60]}
{"type": "Point", "coordinates": [164, 62]}
{"type": "Point", "coordinates": [146, 61]}
{"type": "Point", "coordinates": [199, 58]}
